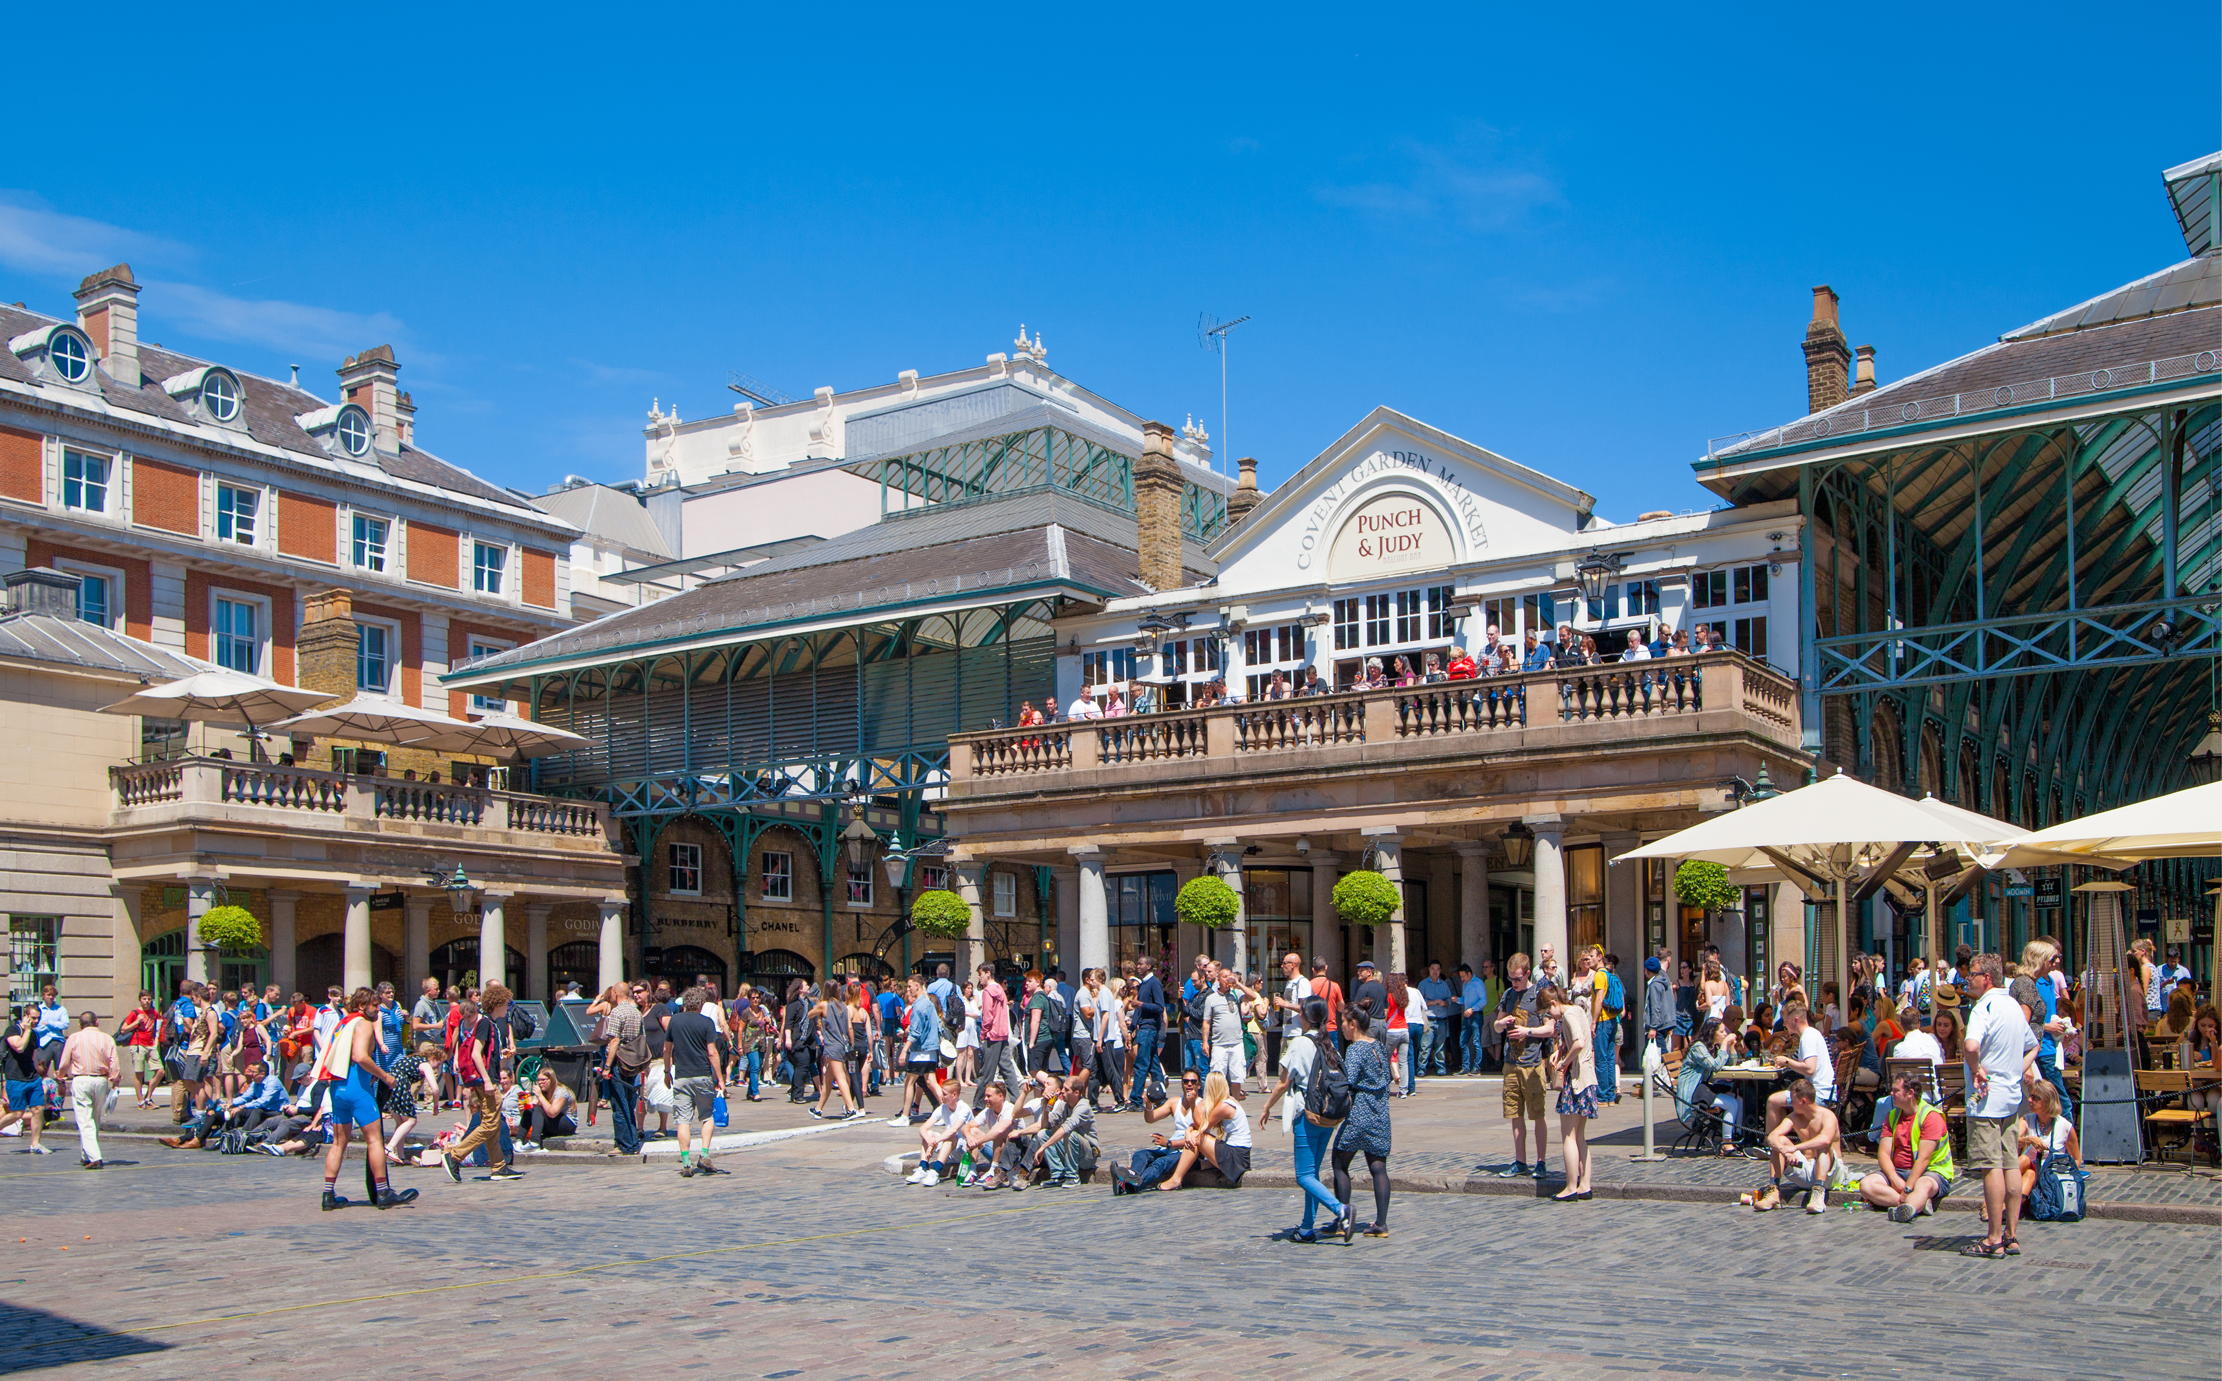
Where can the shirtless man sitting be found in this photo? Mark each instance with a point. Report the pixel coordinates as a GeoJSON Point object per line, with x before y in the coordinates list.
{"type": "Point", "coordinates": [1802, 1150]}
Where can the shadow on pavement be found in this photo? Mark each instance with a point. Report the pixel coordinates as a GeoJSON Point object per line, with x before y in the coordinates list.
{"type": "Point", "coordinates": [37, 1339]}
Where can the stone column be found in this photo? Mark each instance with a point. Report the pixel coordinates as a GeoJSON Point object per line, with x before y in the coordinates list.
{"type": "Point", "coordinates": [1326, 925]}
{"type": "Point", "coordinates": [611, 968]}
{"type": "Point", "coordinates": [1226, 865]}
{"type": "Point", "coordinates": [416, 940]}
{"type": "Point", "coordinates": [974, 947]}
{"type": "Point", "coordinates": [200, 894]}
{"type": "Point", "coordinates": [1065, 897]}
{"type": "Point", "coordinates": [355, 942]}
{"type": "Point", "coordinates": [493, 940]}
{"type": "Point", "coordinates": [1473, 904]}
{"type": "Point", "coordinates": [536, 951]}
{"type": "Point", "coordinates": [1095, 910]}
{"type": "Point", "coordinates": [284, 941]}
{"type": "Point", "coordinates": [131, 901]}
{"type": "Point", "coordinates": [1550, 890]}
{"type": "Point", "coordinates": [1388, 938]}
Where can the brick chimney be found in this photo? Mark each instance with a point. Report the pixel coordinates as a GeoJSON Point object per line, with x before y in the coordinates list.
{"type": "Point", "coordinates": [1863, 370]}
{"type": "Point", "coordinates": [371, 381]}
{"type": "Point", "coordinates": [1827, 357]}
{"type": "Point", "coordinates": [1245, 496]}
{"type": "Point", "coordinates": [405, 409]}
{"type": "Point", "coordinates": [1157, 490]}
{"type": "Point", "coordinates": [325, 650]}
{"type": "Point", "coordinates": [108, 311]}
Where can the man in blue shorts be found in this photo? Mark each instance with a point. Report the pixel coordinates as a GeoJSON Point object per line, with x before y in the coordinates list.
{"type": "Point", "coordinates": [349, 1072]}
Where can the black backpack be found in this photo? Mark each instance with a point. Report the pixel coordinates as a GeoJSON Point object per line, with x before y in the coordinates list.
{"type": "Point", "coordinates": [952, 1012]}
{"type": "Point", "coordinates": [1060, 1014]}
{"type": "Point", "coordinates": [521, 1022]}
{"type": "Point", "coordinates": [1327, 1096]}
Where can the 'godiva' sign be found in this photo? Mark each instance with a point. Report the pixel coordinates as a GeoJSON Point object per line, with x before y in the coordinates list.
{"type": "Point", "coordinates": [1395, 532]}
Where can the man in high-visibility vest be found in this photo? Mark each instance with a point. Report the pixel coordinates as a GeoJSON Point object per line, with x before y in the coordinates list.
{"type": "Point", "coordinates": [1915, 1154]}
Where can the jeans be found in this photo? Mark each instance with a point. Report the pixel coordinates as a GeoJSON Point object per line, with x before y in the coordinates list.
{"type": "Point", "coordinates": [1311, 1150]}
{"type": "Point", "coordinates": [1433, 1038]}
{"type": "Point", "coordinates": [622, 1094]}
{"type": "Point", "coordinates": [1145, 1057]}
{"type": "Point", "coordinates": [755, 1073]}
{"type": "Point", "coordinates": [1192, 1055]}
{"type": "Point", "coordinates": [2048, 1066]}
{"type": "Point", "coordinates": [1473, 1042]}
{"type": "Point", "coordinates": [1153, 1165]}
{"type": "Point", "coordinates": [1400, 1051]}
{"type": "Point", "coordinates": [1064, 1160]}
{"type": "Point", "coordinates": [1607, 1049]}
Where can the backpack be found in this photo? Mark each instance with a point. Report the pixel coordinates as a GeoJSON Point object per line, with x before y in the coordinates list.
{"type": "Point", "coordinates": [1616, 997]}
{"type": "Point", "coordinates": [2057, 1196]}
{"type": "Point", "coordinates": [521, 1022]}
{"type": "Point", "coordinates": [1060, 1015]}
{"type": "Point", "coordinates": [233, 1142]}
{"type": "Point", "coordinates": [1327, 1097]}
{"type": "Point", "coordinates": [952, 1012]}
{"type": "Point", "coordinates": [633, 1054]}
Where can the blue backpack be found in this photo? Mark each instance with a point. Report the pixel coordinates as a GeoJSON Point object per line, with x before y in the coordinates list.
{"type": "Point", "coordinates": [2057, 1197]}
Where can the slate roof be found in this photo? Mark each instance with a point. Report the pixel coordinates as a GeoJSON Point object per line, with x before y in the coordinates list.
{"type": "Point", "coordinates": [88, 646]}
{"type": "Point", "coordinates": [271, 406]}
{"type": "Point", "coordinates": [1031, 539]}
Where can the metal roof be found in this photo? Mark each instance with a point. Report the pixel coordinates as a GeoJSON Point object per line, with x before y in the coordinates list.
{"type": "Point", "coordinates": [72, 642]}
{"type": "Point", "coordinates": [612, 514]}
{"type": "Point", "coordinates": [2194, 188]}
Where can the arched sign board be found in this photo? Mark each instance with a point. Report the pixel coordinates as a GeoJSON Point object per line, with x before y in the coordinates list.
{"type": "Point", "coordinates": [1387, 534]}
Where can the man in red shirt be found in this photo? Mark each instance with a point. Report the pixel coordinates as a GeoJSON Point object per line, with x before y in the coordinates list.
{"type": "Point", "coordinates": [1329, 991]}
{"type": "Point", "coordinates": [139, 1030]}
{"type": "Point", "coordinates": [997, 1062]}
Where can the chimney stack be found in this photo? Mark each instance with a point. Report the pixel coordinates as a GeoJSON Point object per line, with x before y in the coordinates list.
{"type": "Point", "coordinates": [1157, 490]}
{"type": "Point", "coordinates": [1245, 496]}
{"type": "Point", "coordinates": [1827, 357]}
{"type": "Point", "coordinates": [41, 590]}
{"type": "Point", "coordinates": [371, 381]}
{"type": "Point", "coordinates": [1863, 371]}
{"type": "Point", "coordinates": [108, 311]}
{"type": "Point", "coordinates": [324, 649]}
{"type": "Point", "coordinates": [405, 410]}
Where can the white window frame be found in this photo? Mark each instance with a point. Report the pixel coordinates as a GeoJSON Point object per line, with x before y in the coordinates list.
{"type": "Point", "coordinates": [214, 379]}
{"type": "Point", "coordinates": [357, 548]}
{"type": "Point", "coordinates": [344, 437]}
{"type": "Point", "coordinates": [394, 655]}
{"type": "Point", "coordinates": [1104, 667]}
{"type": "Point", "coordinates": [859, 883]}
{"type": "Point", "coordinates": [476, 647]}
{"type": "Point", "coordinates": [685, 860]}
{"type": "Point", "coordinates": [114, 580]}
{"type": "Point", "coordinates": [255, 495]}
{"type": "Point", "coordinates": [781, 871]}
{"type": "Point", "coordinates": [1003, 888]}
{"type": "Point", "coordinates": [217, 599]}
{"type": "Point", "coordinates": [106, 485]}
{"type": "Point", "coordinates": [84, 343]}
{"type": "Point", "coordinates": [933, 877]}
{"type": "Point", "coordinates": [501, 574]}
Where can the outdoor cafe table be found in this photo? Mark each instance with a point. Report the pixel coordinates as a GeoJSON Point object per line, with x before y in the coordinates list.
{"type": "Point", "coordinates": [1747, 1073]}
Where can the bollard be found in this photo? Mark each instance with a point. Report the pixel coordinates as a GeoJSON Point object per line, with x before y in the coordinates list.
{"type": "Point", "coordinates": [1651, 1067]}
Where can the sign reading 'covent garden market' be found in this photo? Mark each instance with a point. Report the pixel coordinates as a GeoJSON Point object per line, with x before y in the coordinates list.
{"type": "Point", "coordinates": [1398, 531]}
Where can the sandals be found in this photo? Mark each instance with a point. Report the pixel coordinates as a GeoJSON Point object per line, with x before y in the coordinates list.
{"type": "Point", "coordinates": [2011, 1245]}
{"type": "Point", "coordinates": [1988, 1251]}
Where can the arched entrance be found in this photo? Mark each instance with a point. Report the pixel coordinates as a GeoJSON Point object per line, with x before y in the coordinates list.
{"type": "Point", "coordinates": [578, 962]}
{"type": "Point", "coordinates": [773, 969]}
{"type": "Point", "coordinates": [680, 964]}
{"type": "Point", "coordinates": [162, 965]}
{"type": "Point", "coordinates": [862, 965]}
{"type": "Point", "coordinates": [455, 964]}
{"type": "Point", "coordinates": [322, 963]}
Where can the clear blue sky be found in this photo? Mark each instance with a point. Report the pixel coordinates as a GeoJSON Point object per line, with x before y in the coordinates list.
{"type": "Point", "coordinates": [1584, 238]}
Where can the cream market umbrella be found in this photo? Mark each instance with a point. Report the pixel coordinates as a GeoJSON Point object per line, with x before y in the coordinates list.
{"type": "Point", "coordinates": [218, 696]}
{"type": "Point", "coordinates": [2182, 824]}
{"type": "Point", "coordinates": [375, 719]}
{"type": "Point", "coordinates": [1952, 868]}
{"type": "Point", "coordinates": [505, 735]}
{"type": "Point", "coordinates": [1827, 837]}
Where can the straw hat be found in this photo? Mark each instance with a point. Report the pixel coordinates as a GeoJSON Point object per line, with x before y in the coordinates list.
{"type": "Point", "coordinates": [1946, 995]}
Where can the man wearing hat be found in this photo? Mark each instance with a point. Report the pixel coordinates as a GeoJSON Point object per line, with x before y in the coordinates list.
{"type": "Point", "coordinates": [1371, 993]}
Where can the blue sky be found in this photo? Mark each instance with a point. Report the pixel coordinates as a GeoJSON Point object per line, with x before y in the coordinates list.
{"type": "Point", "coordinates": [1584, 239]}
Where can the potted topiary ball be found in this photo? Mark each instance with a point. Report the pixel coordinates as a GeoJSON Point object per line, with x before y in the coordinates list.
{"type": "Point", "coordinates": [1366, 898]}
{"type": "Point", "coordinates": [1207, 901]}
{"type": "Point", "coordinates": [940, 913]}
{"type": "Point", "coordinates": [1705, 886]}
{"type": "Point", "coordinates": [232, 929]}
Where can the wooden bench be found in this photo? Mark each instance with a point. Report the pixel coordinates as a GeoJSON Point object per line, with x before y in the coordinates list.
{"type": "Point", "coordinates": [2175, 1123]}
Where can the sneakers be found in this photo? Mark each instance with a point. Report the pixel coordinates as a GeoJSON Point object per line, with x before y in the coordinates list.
{"type": "Point", "coordinates": [917, 1176]}
{"type": "Point", "coordinates": [453, 1167]}
{"type": "Point", "coordinates": [898, 1120]}
{"type": "Point", "coordinates": [529, 1147]}
{"type": "Point", "coordinates": [48, 1150]}
{"type": "Point", "coordinates": [854, 1113]}
{"type": "Point", "coordinates": [1817, 1201]}
{"type": "Point", "coordinates": [394, 1198]}
{"type": "Point", "coordinates": [818, 1113]}
{"type": "Point", "coordinates": [1903, 1213]}
{"type": "Point", "coordinates": [1513, 1171]}
{"type": "Point", "coordinates": [1541, 1171]}
{"type": "Point", "coordinates": [507, 1172]}
{"type": "Point", "coordinates": [332, 1201]}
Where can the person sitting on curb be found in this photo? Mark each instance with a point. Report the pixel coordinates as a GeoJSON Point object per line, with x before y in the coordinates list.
{"type": "Point", "coordinates": [938, 1137]}
{"type": "Point", "coordinates": [1154, 1162]}
{"type": "Point", "coordinates": [1914, 1170]}
{"type": "Point", "coordinates": [1220, 1137]}
{"type": "Point", "coordinates": [1802, 1148]}
{"type": "Point", "coordinates": [263, 1099]}
{"type": "Point", "coordinates": [990, 1127]}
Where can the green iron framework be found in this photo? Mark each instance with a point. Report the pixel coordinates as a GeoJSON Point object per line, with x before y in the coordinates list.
{"type": "Point", "coordinates": [1035, 458]}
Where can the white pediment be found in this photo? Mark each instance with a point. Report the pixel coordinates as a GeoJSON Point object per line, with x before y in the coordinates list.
{"type": "Point", "coordinates": [1393, 496]}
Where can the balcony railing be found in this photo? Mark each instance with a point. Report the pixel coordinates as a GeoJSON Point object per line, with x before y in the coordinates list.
{"type": "Point", "coordinates": [1667, 692]}
{"type": "Point", "coordinates": [303, 794]}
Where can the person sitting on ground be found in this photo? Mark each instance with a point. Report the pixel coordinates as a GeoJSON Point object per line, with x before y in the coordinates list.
{"type": "Point", "coordinates": [1914, 1168]}
{"type": "Point", "coordinates": [1695, 1091]}
{"type": "Point", "coordinates": [1154, 1162]}
{"type": "Point", "coordinates": [299, 1133]}
{"type": "Point", "coordinates": [1219, 1137]}
{"type": "Point", "coordinates": [1802, 1150]}
{"type": "Point", "coordinates": [262, 1099]}
{"type": "Point", "coordinates": [1013, 1165]}
{"type": "Point", "coordinates": [938, 1137]}
{"type": "Point", "coordinates": [554, 1112]}
{"type": "Point", "coordinates": [2044, 1133]}
{"type": "Point", "coordinates": [1067, 1145]}
{"type": "Point", "coordinates": [990, 1126]}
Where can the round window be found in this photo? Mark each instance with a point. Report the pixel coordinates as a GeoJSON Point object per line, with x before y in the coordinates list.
{"type": "Point", "coordinates": [220, 395]}
{"type": "Point", "coordinates": [71, 355]}
{"type": "Point", "coordinates": [354, 431]}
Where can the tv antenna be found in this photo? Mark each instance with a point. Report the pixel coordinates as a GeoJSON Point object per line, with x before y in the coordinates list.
{"type": "Point", "coordinates": [755, 390]}
{"type": "Point", "coordinates": [1212, 336]}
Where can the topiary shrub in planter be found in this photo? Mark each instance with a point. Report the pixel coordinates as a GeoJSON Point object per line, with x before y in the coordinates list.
{"type": "Point", "coordinates": [1208, 902]}
{"type": "Point", "coordinates": [1366, 898]}
{"type": "Point", "coordinates": [940, 913]}
{"type": "Point", "coordinates": [1705, 885]}
{"type": "Point", "coordinates": [233, 929]}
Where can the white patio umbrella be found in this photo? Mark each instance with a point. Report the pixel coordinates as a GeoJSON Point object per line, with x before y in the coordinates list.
{"type": "Point", "coordinates": [2002, 848]}
{"type": "Point", "coordinates": [508, 735]}
{"type": "Point", "coordinates": [219, 696]}
{"type": "Point", "coordinates": [375, 719]}
{"type": "Point", "coordinates": [2182, 824]}
{"type": "Point", "coordinates": [1826, 836]}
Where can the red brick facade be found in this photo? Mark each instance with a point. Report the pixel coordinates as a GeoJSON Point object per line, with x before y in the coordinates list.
{"type": "Point", "coordinates": [165, 496]}
{"type": "Point", "coordinates": [432, 554]}
{"type": "Point", "coordinates": [138, 579]}
{"type": "Point", "coordinates": [539, 583]}
{"type": "Point", "coordinates": [308, 528]}
{"type": "Point", "coordinates": [22, 466]}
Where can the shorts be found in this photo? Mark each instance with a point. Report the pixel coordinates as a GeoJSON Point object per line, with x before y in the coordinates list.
{"type": "Point", "coordinates": [146, 1062]}
{"type": "Point", "coordinates": [1944, 1186]}
{"type": "Point", "coordinates": [26, 1094]}
{"type": "Point", "coordinates": [1991, 1143]}
{"type": "Point", "coordinates": [697, 1090]}
{"type": "Point", "coordinates": [1523, 1092]}
{"type": "Point", "coordinates": [921, 1062]}
{"type": "Point", "coordinates": [1229, 1060]}
{"type": "Point", "coordinates": [1233, 1162]}
{"type": "Point", "coordinates": [352, 1104]}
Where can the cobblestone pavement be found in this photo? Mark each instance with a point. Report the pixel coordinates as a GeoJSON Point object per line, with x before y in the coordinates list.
{"type": "Point", "coordinates": [806, 1263]}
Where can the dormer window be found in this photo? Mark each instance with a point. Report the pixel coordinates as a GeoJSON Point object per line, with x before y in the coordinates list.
{"type": "Point", "coordinates": [215, 391]}
{"type": "Point", "coordinates": [71, 355]}
{"type": "Point", "coordinates": [354, 431]}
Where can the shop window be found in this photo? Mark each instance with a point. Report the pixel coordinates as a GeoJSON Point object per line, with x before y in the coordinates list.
{"type": "Point", "coordinates": [777, 879]}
